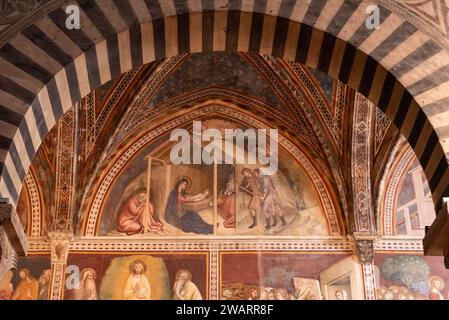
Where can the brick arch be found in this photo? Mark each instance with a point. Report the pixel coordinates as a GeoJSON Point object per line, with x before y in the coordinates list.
{"type": "Point", "coordinates": [396, 66]}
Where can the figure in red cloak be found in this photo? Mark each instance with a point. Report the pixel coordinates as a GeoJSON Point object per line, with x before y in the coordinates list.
{"type": "Point", "coordinates": [131, 216]}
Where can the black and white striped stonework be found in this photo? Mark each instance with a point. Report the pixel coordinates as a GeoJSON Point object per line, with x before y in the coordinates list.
{"type": "Point", "coordinates": [46, 68]}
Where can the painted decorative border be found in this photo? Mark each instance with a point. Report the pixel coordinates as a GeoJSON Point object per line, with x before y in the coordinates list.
{"type": "Point", "coordinates": [396, 172]}
{"type": "Point", "coordinates": [241, 244]}
{"type": "Point", "coordinates": [369, 281]}
{"type": "Point", "coordinates": [214, 273]}
{"type": "Point", "coordinates": [391, 244]}
{"type": "Point", "coordinates": [36, 223]}
{"type": "Point", "coordinates": [360, 164]}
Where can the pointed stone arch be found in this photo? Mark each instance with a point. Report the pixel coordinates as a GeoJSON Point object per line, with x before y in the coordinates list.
{"type": "Point", "coordinates": [397, 66]}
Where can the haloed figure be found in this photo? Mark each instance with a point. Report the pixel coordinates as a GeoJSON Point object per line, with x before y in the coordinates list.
{"type": "Point", "coordinates": [436, 285]}
{"type": "Point", "coordinates": [87, 289]}
{"type": "Point", "coordinates": [28, 288]}
{"type": "Point", "coordinates": [186, 220]}
{"type": "Point", "coordinates": [184, 288]}
{"type": "Point", "coordinates": [137, 287]}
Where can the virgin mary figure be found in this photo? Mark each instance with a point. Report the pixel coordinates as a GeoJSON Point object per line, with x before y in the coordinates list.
{"type": "Point", "coordinates": [178, 216]}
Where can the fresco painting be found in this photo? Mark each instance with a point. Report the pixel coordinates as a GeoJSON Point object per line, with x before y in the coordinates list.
{"type": "Point", "coordinates": [327, 224]}
{"type": "Point", "coordinates": [162, 199]}
{"type": "Point", "coordinates": [414, 206]}
{"type": "Point", "coordinates": [242, 276]}
{"type": "Point", "coordinates": [154, 200]}
{"type": "Point", "coordinates": [411, 277]}
{"type": "Point", "coordinates": [29, 281]}
{"type": "Point", "coordinates": [138, 277]}
{"type": "Point", "coordinates": [289, 276]}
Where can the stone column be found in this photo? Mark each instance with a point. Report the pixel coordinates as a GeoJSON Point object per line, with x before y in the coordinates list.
{"type": "Point", "coordinates": [10, 222]}
{"type": "Point", "coordinates": [363, 246]}
{"type": "Point", "coordinates": [8, 257]}
{"type": "Point", "coordinates": [59, 244]}
{"type": "Point", "coordinates": [364, 222]}
{"type": "Point", "coordinates": [13, 241]}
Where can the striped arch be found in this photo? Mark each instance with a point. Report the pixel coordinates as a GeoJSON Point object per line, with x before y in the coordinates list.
{"type": "Point", "coordinates": [47, 68]}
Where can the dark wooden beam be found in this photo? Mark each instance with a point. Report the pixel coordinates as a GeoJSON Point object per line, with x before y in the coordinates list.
{"type": "Point", "coordinates": [436, 240]}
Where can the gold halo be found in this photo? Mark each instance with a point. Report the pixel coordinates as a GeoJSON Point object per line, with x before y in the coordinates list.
{"type": "Point", "coordinates": [189, 181]}
{"type": "Point", "coordinates": [83, 272]}
{"type": "Point", "coordinates": [434, 278]}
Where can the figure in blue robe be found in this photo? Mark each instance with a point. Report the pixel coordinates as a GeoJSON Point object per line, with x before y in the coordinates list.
{"type": "Point", "coordinates": [186, 220]}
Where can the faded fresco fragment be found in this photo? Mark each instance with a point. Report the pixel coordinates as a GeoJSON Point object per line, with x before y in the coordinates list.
{"type": "Point", "coordinates": [411, 277]}
{"type": "Point", "coordinates": [289, 276]}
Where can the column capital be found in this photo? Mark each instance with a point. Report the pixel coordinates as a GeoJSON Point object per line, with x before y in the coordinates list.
{"type": "Point", "coordinates": [363, 246]}
{"type": "Point", "coordinates": [59, 244]}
